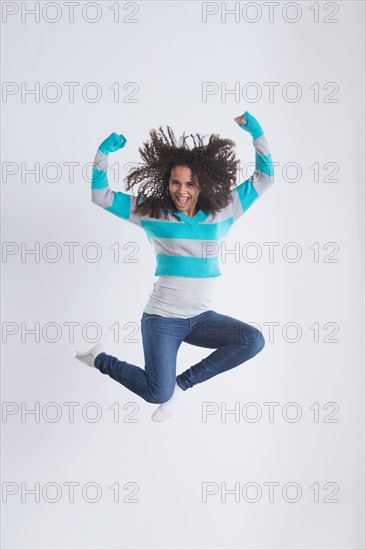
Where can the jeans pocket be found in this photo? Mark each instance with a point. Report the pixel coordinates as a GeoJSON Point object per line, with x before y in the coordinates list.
{"type": "Point", "coordinates": [150, 315]}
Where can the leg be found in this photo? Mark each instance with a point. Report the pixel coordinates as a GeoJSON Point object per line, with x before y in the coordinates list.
{"type": "Point", "coordinates": [88, 356]}
{"type": "Point", "coordinates": [236, 342]}
{"type": "Point", "coordinates": [161, 339]}
{"type": "Point", "coordinates": [166, 409]}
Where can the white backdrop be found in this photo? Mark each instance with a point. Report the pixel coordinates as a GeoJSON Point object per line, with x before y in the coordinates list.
{"type": "Point", "coordinates": [204, 478]}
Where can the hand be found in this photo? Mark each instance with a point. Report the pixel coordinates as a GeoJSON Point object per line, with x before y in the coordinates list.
{"type": "Point", "coordinates": [113, 143]}
{"type": "Point", "coordinates": [250, 124]}
{"type": "Point", "coordinates": [241, 120]}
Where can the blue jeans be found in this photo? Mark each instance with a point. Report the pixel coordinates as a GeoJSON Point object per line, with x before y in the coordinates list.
{"type": "Point", "coordinates": [236, 342]}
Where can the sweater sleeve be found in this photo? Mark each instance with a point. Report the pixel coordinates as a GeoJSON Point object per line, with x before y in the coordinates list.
{"type": "Point", "coordinates": [118, 203]}
{"type": "Point", "coordinates": [246, 193]}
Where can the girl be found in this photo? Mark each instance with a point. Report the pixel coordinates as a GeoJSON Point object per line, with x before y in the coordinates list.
{"type": "Point", "coordinates": [186, 206]}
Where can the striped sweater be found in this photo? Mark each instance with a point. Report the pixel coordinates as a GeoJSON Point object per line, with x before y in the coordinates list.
{"type": "Point", "coordinates": [190, 247]}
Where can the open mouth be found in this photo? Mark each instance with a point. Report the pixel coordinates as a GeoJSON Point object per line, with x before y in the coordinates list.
{"type": "Point", "coordinates": [182, 201]}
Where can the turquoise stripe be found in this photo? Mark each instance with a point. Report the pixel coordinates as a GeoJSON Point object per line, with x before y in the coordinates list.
{"type": "Point", "coordinates": [120, 205]}
{"type": "Point", "coordinates": [256, 132]}
{"type": "Point", "coordinates": [264, 164]}
{"type": "Point", "coordinates": [99, 179]}
{"type": "Point", "coordinates": [253, 126]}
{"type": "Point", "coordinates": [247, 194]}
{"type": "Point", "coordinates": [201, 216]}
{"type": "Point", "coordinates": [106, 146]}
{"type": "Point", "coordinates": [177, 230]}
{"type": "Point", "coordinates": [186, 266]}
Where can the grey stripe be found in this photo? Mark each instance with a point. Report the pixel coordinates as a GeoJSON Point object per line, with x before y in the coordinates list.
{"type": "Point", "coordinates": [186, 247]}
{"type": "Point", "coordinates": [261, 145]}
{"type": "Point", "coordinates": [222, 215]}
{"type": "Point", "coordinates": [100, 161]}
{"type": "Point", "coordinates": [261, 181]}
{"type": "Point", "coordinates": [136, 219]}
{"type": "Point", "coordinates": [102, 197]}
{"type": "Point", "coordinates": [237, 208]}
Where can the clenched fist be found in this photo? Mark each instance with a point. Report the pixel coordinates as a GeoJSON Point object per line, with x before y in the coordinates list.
{"type": "Point", "coordinates": [113, 143]}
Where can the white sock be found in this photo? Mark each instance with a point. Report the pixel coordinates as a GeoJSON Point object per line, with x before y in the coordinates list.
{"type": "Point", "coordinates": [88, 356]}
{"type": "Point", "coordinates": [166, 409]}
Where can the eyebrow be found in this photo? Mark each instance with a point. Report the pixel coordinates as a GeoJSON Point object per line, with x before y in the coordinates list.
{"type": "Point", "coordinates": [180, 182]}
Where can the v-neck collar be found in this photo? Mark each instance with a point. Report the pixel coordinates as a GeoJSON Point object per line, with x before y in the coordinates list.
{"type": "Point", "coordinates": [200, 216]}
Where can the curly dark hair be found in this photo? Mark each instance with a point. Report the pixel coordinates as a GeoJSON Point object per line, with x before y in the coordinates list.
{"type": "Point", "coordinates": [214, 165]}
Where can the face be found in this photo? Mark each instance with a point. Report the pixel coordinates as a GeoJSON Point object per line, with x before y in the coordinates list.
{"type": "Point", "coordinates": [184, 190]}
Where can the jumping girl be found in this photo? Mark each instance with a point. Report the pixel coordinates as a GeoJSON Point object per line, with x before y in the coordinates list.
{"type": "Point", "coordinates": [186, 206]}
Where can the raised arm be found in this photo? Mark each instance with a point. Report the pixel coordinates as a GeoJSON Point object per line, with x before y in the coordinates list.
{"type": "Point", "coordinates": [118, 203]}
{"type": "Point", "coordinates": [246, 193]}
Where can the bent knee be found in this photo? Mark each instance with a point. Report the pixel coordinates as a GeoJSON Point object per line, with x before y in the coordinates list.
{"type": "Point", "coordinates": [260, 342]}
{"type": "Point", "coordinates": [160, 395]}
{"type": "Point", "coordinates": [256, 340]}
